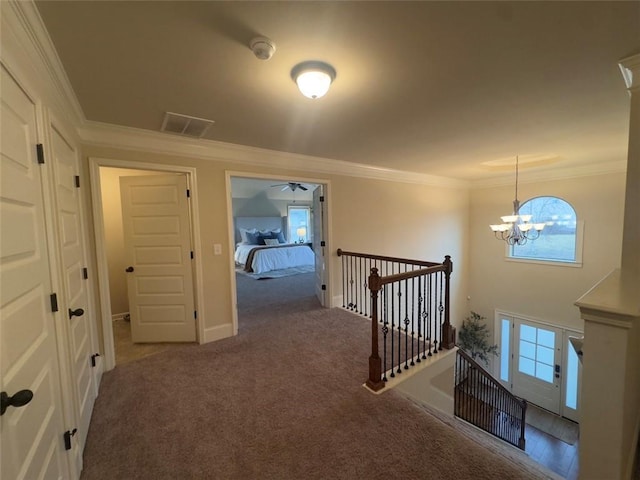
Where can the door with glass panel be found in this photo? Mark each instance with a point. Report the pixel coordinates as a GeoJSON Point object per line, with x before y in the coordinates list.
{"type": "Point", "coordinates": [538, 364]}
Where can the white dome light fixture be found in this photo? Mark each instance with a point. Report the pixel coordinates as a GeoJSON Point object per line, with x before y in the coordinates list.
{"type": "Point", "coordinates": [313, 78]}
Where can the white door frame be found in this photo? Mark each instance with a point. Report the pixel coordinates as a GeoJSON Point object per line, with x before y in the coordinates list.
{"type": "Point", "coordinates": [230, 229]}
{"type": "Point", "coordinates": [101, 251]}
{"type": "Point", "coordinates": [565, 332]}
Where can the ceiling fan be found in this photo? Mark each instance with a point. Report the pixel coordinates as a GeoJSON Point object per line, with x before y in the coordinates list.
{"type": "Point", "coordinates": [291, 185]}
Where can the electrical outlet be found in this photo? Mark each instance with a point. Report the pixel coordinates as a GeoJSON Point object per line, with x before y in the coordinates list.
{"type": "Point", "coordinates": [217, 249]}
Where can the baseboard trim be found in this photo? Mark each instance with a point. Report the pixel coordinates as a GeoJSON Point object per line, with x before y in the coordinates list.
{"type": "Point", "coordinates": [119, 316]}
{"type": "Point", "coordinates": [218, 332]}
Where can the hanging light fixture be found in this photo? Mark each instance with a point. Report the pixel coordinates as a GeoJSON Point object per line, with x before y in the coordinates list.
{"type": "Point", "coordinates": [313, 78]}
{"type": "Point", "coordinates": [517, 229]}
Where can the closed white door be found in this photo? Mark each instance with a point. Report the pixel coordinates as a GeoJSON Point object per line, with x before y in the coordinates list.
{"type": "Point", "coordinates": [536, 373]}
{"type": "Point", "coordinates": [319, 248]}
{"type": "Point", "coordinates": [157, 240]}
{"type": "Point", "coordinates": [81, 339]}
{"type": "Point", "coordinates": [31, 435]}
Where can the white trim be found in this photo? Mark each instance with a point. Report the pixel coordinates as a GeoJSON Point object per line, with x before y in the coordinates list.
{"type": "Point", "coordinates": [107, 135]}
{"type": "Point", "coordinates": [553, 172]}
{"type": "Point", "coordinates": [218, 332]}
{"type": "Point", "coordinates": [38, 50]}
{"type": "Point", "coordinates": [101, 255]}
{"type": "Point", "coordinates": [117, 317]}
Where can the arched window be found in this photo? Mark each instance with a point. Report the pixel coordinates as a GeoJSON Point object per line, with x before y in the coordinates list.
{"type": "Point", "coordinates": [559, 240]}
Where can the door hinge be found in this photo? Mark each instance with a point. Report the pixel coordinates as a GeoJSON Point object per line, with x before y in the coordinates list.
{"type": "Point", "coordinates": [77, 180]}
{"type": "Point", "coordinates": [324, 287]}
{"type": "Point", "coordinates": [85, 273]}
{"type": "Point", "coordinates": [54, 302]}
{"type": "Point", "coordinates": [93, 359]}
{"type": "Point", "coordinates": [40, 153]}
{"type": "Point", "coordinates": [67, 438]}
{"type": "Point", "coordinates": [188, 193]}
{"type": "Point", "coordinates": [191, 255]}
{"type": "Point", "coordinates": [195, 314]}
{"type": "Point", "coordinates": [322, 198]}
{"type": "Point", "coordinates": [323, 243]}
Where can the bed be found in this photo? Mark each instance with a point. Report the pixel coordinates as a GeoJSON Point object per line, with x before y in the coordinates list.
{"type": "Point", "coordinates": [261, 246]}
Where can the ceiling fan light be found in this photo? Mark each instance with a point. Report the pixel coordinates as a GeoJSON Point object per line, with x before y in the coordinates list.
{"type": "Point", "coordinates": [313, 78]}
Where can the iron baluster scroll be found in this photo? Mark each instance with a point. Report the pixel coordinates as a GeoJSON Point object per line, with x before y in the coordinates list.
{"type": "Point", "coordinates": [408, 306]}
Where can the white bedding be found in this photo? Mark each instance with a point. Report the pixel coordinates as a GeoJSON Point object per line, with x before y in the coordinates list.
{"type": "Point", "coordinates": [267, 259]}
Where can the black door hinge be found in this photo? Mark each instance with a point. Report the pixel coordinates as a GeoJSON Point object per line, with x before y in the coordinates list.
{"type": "Point", "coordinates": [188, 193]}
{"type": "Point", "coordinates": [85, 273]}
{"type": "Point", "coordinates": [191, 255]}
{"type": "Point", "coordinates": [322, 198]}
{"type": "Point", "coordinates": [67, 438]}
{"type": "Point", "coordinates": [40, 153]}
{"type": "Point", "coordinates": [54, 302]}
{"type": "Point", "coordinates": [324, 287]}
{"type": "Point", "coordinates": [77, 180]}
{"type": "Point", "coordinates": [195, 314]}
{"type": "Point", "coordinates": [323, 243]}
{"type": "Point", "coordinates": [93, 359]}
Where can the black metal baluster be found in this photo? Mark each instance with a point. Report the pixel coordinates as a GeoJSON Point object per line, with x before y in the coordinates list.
{"type": "Point", "coordinates": [419, 317]}
{"type": "Point", "coordinates": [406, 323]}
{"type": "Point", "coordinates": [385, 331]}
{"type": "Point", "coordinates": [399, 326]}
{"type": "Point", "coordinates": [393, 314]}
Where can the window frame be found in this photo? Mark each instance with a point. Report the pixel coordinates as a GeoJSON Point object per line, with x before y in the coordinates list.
{"type": "Point", "coordinates": [579, 240]}
{"type": "Point", "coordinates": [293, 238]}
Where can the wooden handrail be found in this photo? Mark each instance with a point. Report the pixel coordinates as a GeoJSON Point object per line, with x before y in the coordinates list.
{"type": "Point", "coordinates": [388, 259]}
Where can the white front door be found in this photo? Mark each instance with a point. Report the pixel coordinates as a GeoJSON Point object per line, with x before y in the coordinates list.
{"type": "Point", "coordinates": [81, 338]}
{"type": "Point", "coordinates": [31, 435]}
{"type": "Point", "coordinates": [537, 359]}
{"type": "Point", "coordinates": [157, 237]}
{"type": "Point", "coordinates": [538, 363]}
{"type": "Point", "coordinates": [319, 219]}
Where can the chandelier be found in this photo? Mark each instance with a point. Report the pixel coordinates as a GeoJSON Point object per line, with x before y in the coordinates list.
{"type": "Point", "coordinates": [517, 229]}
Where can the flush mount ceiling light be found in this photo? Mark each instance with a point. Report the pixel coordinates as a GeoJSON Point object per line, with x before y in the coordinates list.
{"type": "Point", "coordinates": [313, 78]}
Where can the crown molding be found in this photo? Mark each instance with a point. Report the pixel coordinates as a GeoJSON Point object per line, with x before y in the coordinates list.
{"type": "Point", "coordinates": [555, 173]}
{"type": "Point", "coordinates": [630, 68]}
{"type": "Point", "coordinates": [35, 46]}
{"type": "Point", "coordinates": [107, 135]}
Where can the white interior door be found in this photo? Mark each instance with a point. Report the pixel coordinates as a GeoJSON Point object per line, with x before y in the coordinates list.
{"type": "Point", "coordinates": [157, 236]}
{"type": "Point", "coordinates": [319, 219]}
{"type": "Point", "coordinates": [537, 364]}
{"type": "Point", "coordinates": [81, 341]}
{"type": "Point", "coordinates": [32, 435]}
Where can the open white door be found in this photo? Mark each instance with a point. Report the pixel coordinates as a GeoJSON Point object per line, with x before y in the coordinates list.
{"type": "Point", "coordinates": [31, 435]}
{"type": "Point", "coordinates": [157, 237]}
{"type": "Point", "coordinates": [319, 244]}
{"type": "Point", "coordinates": [81, 338]}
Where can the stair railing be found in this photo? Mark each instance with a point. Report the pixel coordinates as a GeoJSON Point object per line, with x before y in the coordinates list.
{"type": "Point", "coordinates": [483, 401]}
{"type": "Point", "coordinates": [408, 303]}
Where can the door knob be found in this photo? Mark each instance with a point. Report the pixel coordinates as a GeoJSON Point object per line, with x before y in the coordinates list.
{"type": "Point", "coordinates": [129, 269]}
{"type": "Point", "coordinates": [19, 399]}
{"type": "Point", "coordinates": [78, 312]}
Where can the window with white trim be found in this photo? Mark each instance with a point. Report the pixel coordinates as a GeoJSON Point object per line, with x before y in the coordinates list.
{"type": "Point", "coordinates": [560, 240]}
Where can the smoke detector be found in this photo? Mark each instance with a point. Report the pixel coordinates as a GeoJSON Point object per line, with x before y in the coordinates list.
{"type": "Point", "coordinates": [262, 47]}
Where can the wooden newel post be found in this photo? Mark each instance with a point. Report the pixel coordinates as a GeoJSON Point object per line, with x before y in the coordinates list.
{"type": "Point", "coordinates": [375, 382]}
{"type": "Point", "coordinates": [448, 331]}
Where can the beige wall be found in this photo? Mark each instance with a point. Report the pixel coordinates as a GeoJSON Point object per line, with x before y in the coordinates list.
{"type": "Point", "coordinates": [366, 215]}
{"type": "Point", "coordinates": [114, 237]}
{"type": "Point", "coordinates": [545, 292]}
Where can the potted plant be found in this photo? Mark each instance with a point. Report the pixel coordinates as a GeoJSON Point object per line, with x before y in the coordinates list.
{"type": "Point", "coordinates": [474, 338]}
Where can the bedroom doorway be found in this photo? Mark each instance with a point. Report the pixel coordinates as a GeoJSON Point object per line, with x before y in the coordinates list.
{"type": "Point", "coordinates": [113, 263]}
{"type": "Point", "coordinates": [262, 206]}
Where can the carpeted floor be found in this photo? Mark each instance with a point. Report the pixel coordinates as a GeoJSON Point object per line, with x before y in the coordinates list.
{"type": "Point", "coordinates": [282, 400]}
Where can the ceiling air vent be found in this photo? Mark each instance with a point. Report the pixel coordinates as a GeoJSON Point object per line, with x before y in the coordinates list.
{"type": "Point", "coordinates": [185, 125]}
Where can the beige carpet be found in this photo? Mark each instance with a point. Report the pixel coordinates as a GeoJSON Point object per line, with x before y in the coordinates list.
{"type": "Point", "coordinates": [283, 400]}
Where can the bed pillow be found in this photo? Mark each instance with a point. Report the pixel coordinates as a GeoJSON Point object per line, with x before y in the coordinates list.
{"type": "Point", "coordinates": [280, 237]}
{"type": "Point", "coordinates": [271, 241]}
{"type": "Point", "coordinates": [253, 238]}
{"type": "Point", "coordinates": [244, 232]}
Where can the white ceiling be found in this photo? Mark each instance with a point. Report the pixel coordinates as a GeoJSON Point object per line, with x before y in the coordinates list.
{"type": "Point", "coordinates": [429, 87]}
